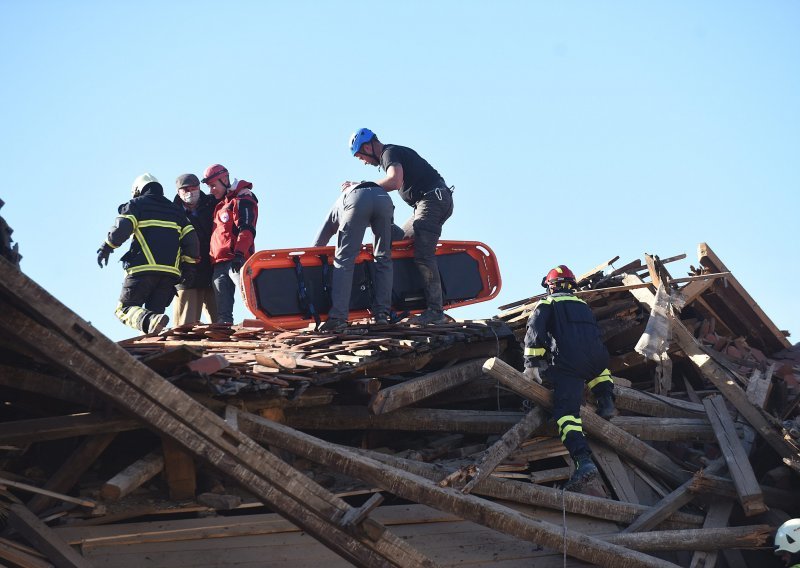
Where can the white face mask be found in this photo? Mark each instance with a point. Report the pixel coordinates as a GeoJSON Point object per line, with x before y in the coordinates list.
{"type": "Point", "coordinates": [190, 197]}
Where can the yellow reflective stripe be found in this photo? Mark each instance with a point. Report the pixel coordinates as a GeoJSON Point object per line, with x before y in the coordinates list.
{"type": "Point", "coordinates": [535, 351]}
{"type": "Point", "coordinates": [569, 429]}
{"type": "Point", "coordinates": [129, 314]}
{"type": "Point", "coordinates": [568, 418]}
{"type": "Point", "coordinates": [132, 219]}
{"type": "Point", "coordinates": [154, 268]}
{"type": "Point", "coordinates": [601, 378]}
{"type": "Point", "coordinates": [188, 259]}
{"type": "Point", "coordinates": [157, 223]}
{"type": "Point", "coordinates": [186, 230]}
{"type": "Point", "coordinates": [112, 245]}
{"type": "Point", "coordinates": [145, 249]}
{"type": "Point", "coordinates": [569, 298]}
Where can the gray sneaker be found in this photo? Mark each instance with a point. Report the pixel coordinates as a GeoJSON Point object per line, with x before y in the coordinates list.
{"type": "Point", "coordinates": [429, 317]}
{"type": "Point", "coordinates": [157, 323]}
{"type": "Point", "coordinates": [332, 325]}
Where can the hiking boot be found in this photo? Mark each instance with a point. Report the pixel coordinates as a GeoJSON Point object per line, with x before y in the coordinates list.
{"type": "Point", "coordinates": [332, 325]}
{"type": "Point", "coordinates": [585, 471]}
{"type": "Point", "coordinates": [157, 323]}
{"type": "Point", "coordinates": [382, 319]}
{"type": "Point", "coordinates": [429, 317]}
{"type": "Point", "coordinates": [605, 407]}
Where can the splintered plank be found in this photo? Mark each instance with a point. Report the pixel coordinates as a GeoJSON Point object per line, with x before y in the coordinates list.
{"type": "Point", "coordinates": [744, 479]}
{"type": "Point", "coordinates": [135, 475]}
{"type": "Point", "coordinates": [420, 388]}
{"type": "Point", "coordinates": [615, 472]}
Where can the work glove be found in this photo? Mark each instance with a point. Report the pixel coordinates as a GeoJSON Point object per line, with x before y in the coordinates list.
{"type": "Point", "coordinates": [188, 273]}
{"type": "Point", "coordinates": [102, 255]}
{"type": "Point", "coordinates": [532, 374]}
{"type": "Point", "coordinates": [237, 262]}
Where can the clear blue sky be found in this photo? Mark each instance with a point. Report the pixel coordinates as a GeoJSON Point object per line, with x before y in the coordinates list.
{"type": "Point", "coordinates": [573, 131]}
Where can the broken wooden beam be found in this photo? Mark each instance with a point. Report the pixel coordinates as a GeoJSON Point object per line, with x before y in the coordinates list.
{"type": "Point", "coordinates": [754, 536]}
{"type": "Point", "coordinates": [744, 479]}
{"type": "Point", "coordinates": [406, 419]}
{"type": "Point", "coordinates": [21, 432]}
{"type": "Point", "coordinates": [504, 446]}
{"type": "Point", "coordinates": [666, 429]}
{"type": "Point", "coordinates": [132, 477]}
{"type": "Point", "coordinates": [420, 388]}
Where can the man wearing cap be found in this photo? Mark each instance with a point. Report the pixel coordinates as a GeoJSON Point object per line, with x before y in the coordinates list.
{"type": "Point", "coordinates": [164, 245]}
{"type": "Point", "coordinates": [195, 292]}
{"type": "Point", "coordinates": [233, 236]}
{"type": "Point", "coordinates": [421, 186]}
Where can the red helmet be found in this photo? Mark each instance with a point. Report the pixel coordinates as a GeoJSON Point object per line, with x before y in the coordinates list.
{"type": "Point", "coordinates": [558, 275]}
{"type": "Point", "coordinates": [213, 172]}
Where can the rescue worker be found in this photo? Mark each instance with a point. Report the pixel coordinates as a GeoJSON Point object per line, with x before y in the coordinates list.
{"type": "Point", "coordinates": [421, 186]}
{"type": "Point", "coordinates": [164, 248]}
{"type": "Point", "coordinates": [233, 235]}
{"type": "Point", "coordinates": [563, 344]}
{"type": "Point", "coordinates": [196, 293]}
{"type": "Point", "coordinates": [787, 543]}
{"type": "Point", "coordinates": [358, 207]}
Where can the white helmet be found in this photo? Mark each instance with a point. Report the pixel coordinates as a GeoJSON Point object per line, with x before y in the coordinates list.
{"type": "Point", "coordinates": [787, 539]}
{"type": "Point", "coordinates": [140, 182]}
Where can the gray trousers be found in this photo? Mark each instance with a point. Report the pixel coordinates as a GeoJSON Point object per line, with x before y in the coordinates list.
{"type": "Point", "coordinates": [224, 291]}
{"type": "Point", "coordinates": [425, 228]}
{"type": "Point", "coordinates": [364, 207]}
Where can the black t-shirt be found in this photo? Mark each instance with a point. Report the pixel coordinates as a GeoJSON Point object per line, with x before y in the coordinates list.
{"type": "Point", "coordinates": [419, 177]}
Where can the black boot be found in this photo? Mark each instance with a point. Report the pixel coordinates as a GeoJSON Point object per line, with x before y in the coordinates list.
{"type": "Point", "coordinates": [585, 471]}
{"type": "Point", "coordinates": [605, 406]}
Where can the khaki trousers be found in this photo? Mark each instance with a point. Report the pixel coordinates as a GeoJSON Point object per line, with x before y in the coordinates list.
{"type": "Point", "coordinates": [190, 303]}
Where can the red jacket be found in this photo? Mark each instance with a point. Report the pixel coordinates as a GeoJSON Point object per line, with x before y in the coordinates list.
{"type": "Point", "coordinates": [234, 224]}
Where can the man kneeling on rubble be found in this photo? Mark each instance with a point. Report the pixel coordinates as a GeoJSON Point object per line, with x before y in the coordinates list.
{"type": "Point", "coordinates": [562, 331]}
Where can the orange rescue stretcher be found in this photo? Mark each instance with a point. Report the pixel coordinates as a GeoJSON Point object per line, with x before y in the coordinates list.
{"type": "Point", "coordinates": [290, 288]}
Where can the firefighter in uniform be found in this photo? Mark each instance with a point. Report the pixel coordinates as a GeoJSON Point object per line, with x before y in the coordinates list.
{"type": "Point", "coordinates": [164, 248]}
{"type": "Point", "coordinates": [563, 344]}
{"type": "Point", "coordinates": [787, 543]}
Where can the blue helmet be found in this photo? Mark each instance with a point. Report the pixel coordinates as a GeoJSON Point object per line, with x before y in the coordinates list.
{"type": "Point", "coordinates": [359, 138]}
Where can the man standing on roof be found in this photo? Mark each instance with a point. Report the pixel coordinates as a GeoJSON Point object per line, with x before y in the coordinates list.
{"type": "Point", "coordinates": [563, 332]}
{"type": "Point", "coordinates": [423, 188]}
{"type": "Point", "coordinates": [164, 248]}
{"type": "Point", "coordinates": [233, 236]}
{"type": "Point", "coordinates": [358, 207]}
{"type": "Point", "coordinates": [196, 293]}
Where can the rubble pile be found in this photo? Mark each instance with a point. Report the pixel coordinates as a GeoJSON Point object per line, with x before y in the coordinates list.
{"type": "Point", "coordinates": [400, 445]}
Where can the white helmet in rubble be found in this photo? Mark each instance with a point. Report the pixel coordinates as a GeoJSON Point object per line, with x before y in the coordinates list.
{"type": "Point", "coordinates": [787, 539]}
{"type": "Point", "coordinates": [140, 182]}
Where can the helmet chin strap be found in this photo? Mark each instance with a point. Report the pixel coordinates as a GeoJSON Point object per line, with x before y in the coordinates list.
{"type": "Point", "coordinates": [369, 154]}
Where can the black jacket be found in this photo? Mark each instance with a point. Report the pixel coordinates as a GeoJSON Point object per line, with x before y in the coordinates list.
{"type": "Point", "coordinates": [562, 330]}
{"type": "Point", "coordinates": [202, 219]}
{"type": "Point", "coordinates": [163, 237]}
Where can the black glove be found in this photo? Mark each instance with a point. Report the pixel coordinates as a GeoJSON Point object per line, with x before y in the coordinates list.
{"type": "Point", "coordinates": [102, 254]}
{"type": "Point", "coordinates": [237, 262]}
{"type": "Point", "coordinates": [188, 273]}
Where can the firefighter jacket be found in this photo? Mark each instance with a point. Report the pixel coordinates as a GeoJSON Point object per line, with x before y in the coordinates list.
{"type": "Point", "coordinates": [162, 236]}
{"type": "Point", "coordinates": [563, 332]}
{"type": "Point", "coordinates": [202, 219]}
{"type": "Point", "coordinates": [235, 224]}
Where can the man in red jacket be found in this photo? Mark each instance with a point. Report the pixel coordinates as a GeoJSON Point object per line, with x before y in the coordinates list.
{"type": "Point", "coordinates": [233, 235]}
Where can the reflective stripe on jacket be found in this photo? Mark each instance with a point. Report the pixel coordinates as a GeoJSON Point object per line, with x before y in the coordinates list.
{"type": "Point", "coordinates": [163, 237]}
